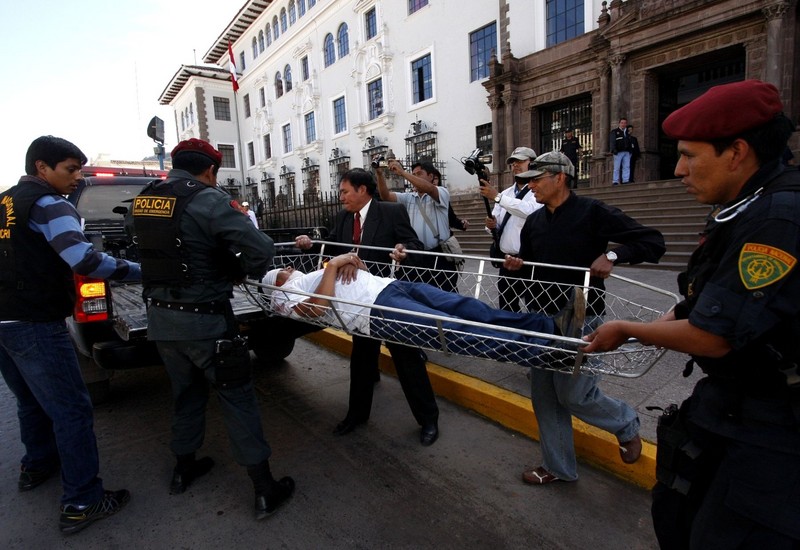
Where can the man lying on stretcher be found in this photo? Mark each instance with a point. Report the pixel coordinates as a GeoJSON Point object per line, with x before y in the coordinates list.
{"type": "Point", "coordinates": [339, 280]}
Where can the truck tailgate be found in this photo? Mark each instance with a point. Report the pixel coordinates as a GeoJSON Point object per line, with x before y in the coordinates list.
{"type": "Point", "coordinates": [130, 315]}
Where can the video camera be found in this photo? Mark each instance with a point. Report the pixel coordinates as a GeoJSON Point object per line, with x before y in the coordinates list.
{"type": "Point", "coordinates": [379, 161]}
{"type": "Point", "coordinates": [475, 163]}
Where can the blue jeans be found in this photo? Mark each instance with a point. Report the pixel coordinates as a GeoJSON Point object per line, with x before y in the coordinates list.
{"type": "Point", "coordinates": [622, 167]}
{"type": "Point", "coordinates": [556, 397]}
{"type": "Point", "coordinates": [56, 421]}
{"type": "Point", "coordinates": [477, 341]}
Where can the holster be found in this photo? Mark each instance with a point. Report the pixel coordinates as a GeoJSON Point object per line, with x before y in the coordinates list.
{"type": "Point", "coordinates": [676, 453]}
{"type": "Point", "coordinates": [231, 362]}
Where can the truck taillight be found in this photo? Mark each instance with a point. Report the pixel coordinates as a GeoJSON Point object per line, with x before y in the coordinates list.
{"type": "Point", "coordinates": [90, 303]}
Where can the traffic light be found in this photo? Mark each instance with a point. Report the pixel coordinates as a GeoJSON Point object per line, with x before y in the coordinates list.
{"type": "Point", "coordinates": [155, 129]}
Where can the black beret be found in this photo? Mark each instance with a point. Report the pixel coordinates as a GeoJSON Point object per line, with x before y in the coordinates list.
{"type": "Point", "coordinates": [725, 111]}
{"type": "Point", "coordinates": [195, 145]}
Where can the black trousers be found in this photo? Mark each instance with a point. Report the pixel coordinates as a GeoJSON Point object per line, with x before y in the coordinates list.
{"type": "Point", "coordinates": [513, 290]}
{"type": "Point", "coordinates": [410, 365]}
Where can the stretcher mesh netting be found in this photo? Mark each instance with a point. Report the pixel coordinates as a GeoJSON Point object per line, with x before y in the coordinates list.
{"type": "Point", "coordinates": [623, 299]}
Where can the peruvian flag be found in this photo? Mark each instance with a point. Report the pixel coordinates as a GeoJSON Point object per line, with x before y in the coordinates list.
{"type": "Point", "coordinates": [233, 69]}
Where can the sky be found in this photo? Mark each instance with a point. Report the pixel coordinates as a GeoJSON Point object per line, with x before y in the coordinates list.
{"type": "Point", "coordinates": [91, 71]}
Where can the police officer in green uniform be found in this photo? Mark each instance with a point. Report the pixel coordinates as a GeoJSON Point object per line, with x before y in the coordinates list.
{"type": "Point", "coordinates": [728, 460]}
{"type": "Point", "coordinates": [194, 243]}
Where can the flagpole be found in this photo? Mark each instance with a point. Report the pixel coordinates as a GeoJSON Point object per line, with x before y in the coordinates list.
{"type": "Point", "coordinates": [235, 83]}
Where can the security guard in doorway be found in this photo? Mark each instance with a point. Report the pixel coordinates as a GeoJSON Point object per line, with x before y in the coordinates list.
{"type": "Point", "coordinates": [194, 243]}
{"type": "Point", "coordinates": [728, 463]}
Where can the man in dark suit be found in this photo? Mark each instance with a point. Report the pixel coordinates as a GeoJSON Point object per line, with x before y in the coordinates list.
{"type": "Point", "coordinates": [374, 223]}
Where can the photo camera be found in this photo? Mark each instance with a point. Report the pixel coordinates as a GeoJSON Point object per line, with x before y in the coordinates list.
{"type": "Point", "coordinates": [475, 163]}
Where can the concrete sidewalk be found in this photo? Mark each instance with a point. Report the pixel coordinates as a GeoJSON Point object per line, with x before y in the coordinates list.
{"type": "Point", "coordinates": [501, 391]}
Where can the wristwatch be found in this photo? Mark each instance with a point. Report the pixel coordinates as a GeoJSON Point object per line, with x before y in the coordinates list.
{"type": "Point", "coordinates": [611, 256]}
{"type": "Point", "coordinates": [497, 198]}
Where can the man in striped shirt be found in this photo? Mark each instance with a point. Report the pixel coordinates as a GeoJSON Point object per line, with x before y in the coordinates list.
{"type": "Point", "coordinates": [41, 245]}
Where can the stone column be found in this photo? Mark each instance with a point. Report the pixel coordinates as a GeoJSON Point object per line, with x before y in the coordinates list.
{"type": "Point", "coordinates": [619, 102]}
{"type": "Point", "coordinates": [774, 15]}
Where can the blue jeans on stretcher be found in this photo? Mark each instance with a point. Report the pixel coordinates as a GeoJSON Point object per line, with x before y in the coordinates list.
{"type": "Point", "coordinates": [56, 420]}
{"type": "Point", "coordinates": [556, 397]}
{"type": "Point", "coordinates": [478, 341]}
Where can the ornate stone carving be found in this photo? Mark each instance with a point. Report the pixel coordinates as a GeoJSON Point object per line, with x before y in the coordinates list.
{"type": "Point", "coordinates": [775, 11]}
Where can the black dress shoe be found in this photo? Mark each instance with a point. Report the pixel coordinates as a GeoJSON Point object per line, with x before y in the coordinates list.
{"type": "Point", "coordinates": [280, 492]}
{"type": "Point", "coordinates": [184, 475]}
{"type": "Point", "coordinates": [347, 425]}
{"type": "Point", "coordinates": [429, 434]}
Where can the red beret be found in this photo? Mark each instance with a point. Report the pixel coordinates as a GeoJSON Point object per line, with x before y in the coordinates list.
{"type": "Point", "coordinates": [725, 111]}
{"type": "Point", "coordinates": [195, 145]}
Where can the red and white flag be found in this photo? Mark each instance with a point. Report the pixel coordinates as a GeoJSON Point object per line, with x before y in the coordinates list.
{"type": "Point", "coordinates": [233, 69]}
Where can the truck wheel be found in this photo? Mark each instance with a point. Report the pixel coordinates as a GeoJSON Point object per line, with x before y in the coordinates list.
{"type": "Point", "coordinates": [273, 353]}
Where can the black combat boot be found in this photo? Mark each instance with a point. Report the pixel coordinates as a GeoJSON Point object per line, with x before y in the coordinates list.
{"type": "Point", "coordinates": [270, 494]}
{"type": "Point", "coordinates": [187, 470]}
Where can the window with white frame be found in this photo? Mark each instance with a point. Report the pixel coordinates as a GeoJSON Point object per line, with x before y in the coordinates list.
{"type": "Point", "coordinates": [228, 153]}
{"type": "Point", "coordinates": [481, 45]}
{"type": "Point", "coordinates": [287, 78]}
{"type": "Point", "coordinates": [301, 7]}
{"type": "Point", "coordinates": [246, 105]}
{"type": "Point", "coordinates": [421, 79]}
{"type": "Point", "coordinates": [241, 62]}
{"type": "Point", "coordinates": [339, 115]}
{"type": "Point", "coordinates": [344, 40]}
{"type": "Point", "coordinates": [371, 24]}
{"type": "Point", "coordinates": [276, 32]}
{"type": "Point", "coordinates": [311, 128]}
{"type": "Point", "coordinates": [267, 147]}
{"type": "Point", "coordinates": [292, 12]}
{"type": "Point", "coordinates": [269, 34]}
{"type": "Point", "coordinates": [286, 129]}
{"type": "Point", "coordinates": [260, 41]}
{"type": "Point", "coordinates": [222, 108]}
{"type": "Point", "coordinates": [191, 114]}
{"type": "Point", "coordinates": [375, 98]}
{"type": "Point", "coordinates": [251, 154]}
{"type": "Point", "coordinates": [564, 20]}
{"type": "Point", "coordinates": [284, 23]}
{"type": "Point", "coordinates": [414, 5]}
{"type": "Point", "coordinates": [329, 50]}
{"type": "Point", "coordinates": [255, 47]}
{"type": "Point", "coordinates": [262, 97]}
{"type": "Point", "coordinates": [278, 85]}
{"type": "Point", "coordinates": [304, 68]}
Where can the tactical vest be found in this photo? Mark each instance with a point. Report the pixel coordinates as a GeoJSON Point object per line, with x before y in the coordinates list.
{"type": "Point", "coordinates": [157, 212]}
{"type": "Point", "coordinates": [36, 284]}
{"type": "Point", "coordinates": [777, 348]}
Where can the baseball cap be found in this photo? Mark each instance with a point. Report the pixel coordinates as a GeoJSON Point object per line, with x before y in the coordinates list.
{"type": "Point", "coordinates": [553, 162]}
{"type": "Point", "coordinates": [521, 153]}
{"type": "Point", "coordinates": [245, 203]}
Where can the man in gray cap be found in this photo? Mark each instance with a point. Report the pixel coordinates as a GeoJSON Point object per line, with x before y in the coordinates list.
{"type": "Point", "coordinates": [575, 231]}
{"type": "Point", "coordinates": [728, 476]}
{"type": "Point", "coordinates": [512, 206]}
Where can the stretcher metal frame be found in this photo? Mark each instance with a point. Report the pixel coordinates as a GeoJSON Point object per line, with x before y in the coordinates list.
{"type": "Point", "coordinates": [559, 353]}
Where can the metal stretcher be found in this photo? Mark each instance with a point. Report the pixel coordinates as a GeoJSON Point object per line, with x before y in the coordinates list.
{"type": "Point", "coordinates": [623, 298]}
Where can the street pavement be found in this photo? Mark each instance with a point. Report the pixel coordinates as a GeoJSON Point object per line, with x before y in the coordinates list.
{"type": "Point", "coordinates": [374, 488]}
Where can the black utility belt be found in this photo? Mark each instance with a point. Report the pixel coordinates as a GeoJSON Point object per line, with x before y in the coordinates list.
{"type": "Point", "coordinates": [202, 307]}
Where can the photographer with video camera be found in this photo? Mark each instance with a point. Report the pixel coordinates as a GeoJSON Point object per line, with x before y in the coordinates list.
{"type": "Point", "coordinates": [427, 208]}
{"type": "Point", "coordinates": [512, 206]}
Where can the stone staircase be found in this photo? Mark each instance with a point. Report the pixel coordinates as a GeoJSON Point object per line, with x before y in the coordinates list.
{"type": "Point", "coordinates": [663, 205]}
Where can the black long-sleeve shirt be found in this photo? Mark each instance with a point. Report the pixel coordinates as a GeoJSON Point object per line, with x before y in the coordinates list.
{"type": "Point", "coordinates": [575, 234]}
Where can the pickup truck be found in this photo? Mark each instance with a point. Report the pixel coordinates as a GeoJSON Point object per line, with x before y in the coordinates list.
{"type": "Point", "coordinates": [109, 323]}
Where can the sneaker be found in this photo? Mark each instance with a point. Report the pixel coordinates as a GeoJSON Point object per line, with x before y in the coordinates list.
{"type": "Point", "coordinates": [31, 479]}
{"type": "Point", "coordinates": [538, 476]}
{"type": "Point", "coordinates": [75, 517]}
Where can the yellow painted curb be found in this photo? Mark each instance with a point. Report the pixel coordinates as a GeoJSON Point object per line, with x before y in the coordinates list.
{"type": "Point", "coordinates": [513, 411]}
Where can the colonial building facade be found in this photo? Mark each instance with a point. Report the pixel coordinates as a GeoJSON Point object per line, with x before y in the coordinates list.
{"type": "Point", "coordinates": [324, 85]}
{"type": "Point", "coordinates": [644, 59]}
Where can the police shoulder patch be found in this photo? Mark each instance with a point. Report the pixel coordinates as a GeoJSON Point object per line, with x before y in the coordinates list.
{"type": "Point", "coordinates": [761, 265]}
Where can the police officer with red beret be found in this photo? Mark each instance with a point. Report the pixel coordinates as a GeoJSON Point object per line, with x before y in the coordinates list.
{"type": "Point", "coordinates": [728, 461]}
{"type": "Point", "coordinates": [194, 243]}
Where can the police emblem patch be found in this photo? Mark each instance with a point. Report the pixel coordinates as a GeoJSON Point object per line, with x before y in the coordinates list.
{"type": "Point", "coordinates": [154, 206]}
{"type": "Point", "coordinates": [761, 265]}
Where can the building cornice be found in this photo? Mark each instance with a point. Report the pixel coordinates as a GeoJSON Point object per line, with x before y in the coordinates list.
{"type": "Point", "coordinates": [183, 75]}
{"type": "Point", "coordinates": [235, 29]}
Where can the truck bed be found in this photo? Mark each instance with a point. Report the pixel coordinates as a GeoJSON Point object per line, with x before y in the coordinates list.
{"type": "Point", "coordinates": [130, 315]}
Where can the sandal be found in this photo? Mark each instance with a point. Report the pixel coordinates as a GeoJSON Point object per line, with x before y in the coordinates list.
{"type": "Point", "coordinates": [538, 476]}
